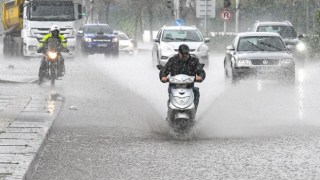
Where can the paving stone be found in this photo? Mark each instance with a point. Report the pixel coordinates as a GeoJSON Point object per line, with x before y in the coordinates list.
{"type": "Point", "coordinates": [30, 136]}
{"type": "Point", "coordinates": [18, 149]}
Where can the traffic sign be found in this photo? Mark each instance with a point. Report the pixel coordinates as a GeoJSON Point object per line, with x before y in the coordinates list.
{"type": "Point", "coordinates": [206, 9]}
{"type": "Point", "coordinates": [226, 15]}
{"type": "Point", "coordinates": [179, 22]}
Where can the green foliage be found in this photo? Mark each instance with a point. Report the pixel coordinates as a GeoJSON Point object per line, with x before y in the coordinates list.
{"type": "Point", "coordinates": [220, 41]}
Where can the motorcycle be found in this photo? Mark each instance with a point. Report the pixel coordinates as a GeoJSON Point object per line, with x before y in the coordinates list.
{"type": "Point", "coordinates": [52, 49]}
{"type": "Point", "coordinates": [181, 114]}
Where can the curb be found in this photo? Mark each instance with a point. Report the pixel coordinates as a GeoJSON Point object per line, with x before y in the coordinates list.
{"type": "Point", "coordinates": [24, 140]}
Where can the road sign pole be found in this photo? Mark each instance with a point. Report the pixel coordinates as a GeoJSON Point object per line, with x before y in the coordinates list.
{"type": "Point", "coordinates": [225, 27]}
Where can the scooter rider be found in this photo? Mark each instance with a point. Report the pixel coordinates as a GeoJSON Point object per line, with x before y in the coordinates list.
{"type": "Point", "coordinates": [184, 63]}
{"type": "Point", "coordinates": [54, 33]}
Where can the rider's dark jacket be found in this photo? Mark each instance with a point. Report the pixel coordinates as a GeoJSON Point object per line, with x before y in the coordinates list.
{"type": "Point", "coordinates": [176, 66]}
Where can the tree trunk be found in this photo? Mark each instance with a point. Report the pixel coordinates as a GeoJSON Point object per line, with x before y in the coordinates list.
{"type": "Point", "coordinates": [107, 11]}
{"type": "Point", "coordinates": [150, 21]}
{"type": "Point", "coordinates": [140, 27]}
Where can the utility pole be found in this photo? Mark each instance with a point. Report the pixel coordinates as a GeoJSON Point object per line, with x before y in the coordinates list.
{"type": "Point", "coordinates": [237, 15]}
{"type": "Point", "coordinates": [177, 8]}
{"type": "Point", "coordinates": [85, 10]}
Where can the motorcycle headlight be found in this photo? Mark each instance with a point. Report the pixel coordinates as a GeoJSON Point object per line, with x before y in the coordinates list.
{"type": "Point", "coordinates": [301, 47]}
{"type": "Point", "coordinates": [166, 48]}
{"type": "Point", "coordinates": [286, 61]}
{"type": "Point", "coordinates": [115, 40]}
{"type": "Point", "coordinates": [88, 39]}
{"type": "Point", "coordinates": [203, 47]}
{"type": "Point", "coordinates": [52, 55]}
{"type": "Point", "coordinates": [182, 101]}
{"type": "Point", "coordinates": [243, 62]}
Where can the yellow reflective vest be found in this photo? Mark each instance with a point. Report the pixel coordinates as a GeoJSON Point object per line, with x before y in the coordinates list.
{"type": "Point", "coordinates": [45, 38]}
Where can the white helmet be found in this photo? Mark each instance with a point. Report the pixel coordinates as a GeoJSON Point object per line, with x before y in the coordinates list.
{"type": "Point", "coordinates": [54, 27]}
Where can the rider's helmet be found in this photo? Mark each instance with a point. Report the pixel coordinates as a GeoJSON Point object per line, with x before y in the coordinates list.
{"type": "Point", "coordinates": [55, 30]}
{"type": "Point", "coordinates": [184, 49]}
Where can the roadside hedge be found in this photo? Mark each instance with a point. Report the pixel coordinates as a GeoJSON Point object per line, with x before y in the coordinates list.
{"type": "Point", "coordinates": [219, 42]}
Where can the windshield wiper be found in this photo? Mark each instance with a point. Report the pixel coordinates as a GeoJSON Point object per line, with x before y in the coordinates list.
{"type": "Point", "coordinates": [271, 46]}
{"type": "Point", "coordinates": [255, 45]}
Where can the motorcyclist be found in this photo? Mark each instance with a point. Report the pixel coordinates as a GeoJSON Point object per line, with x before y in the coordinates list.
{"type": "Point", "coordinates": [184, 63]}
{"type": "Point", "coordinates": [54, 33]}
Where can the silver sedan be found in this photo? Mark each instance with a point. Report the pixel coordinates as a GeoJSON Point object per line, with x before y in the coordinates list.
{"type": "Point", "coordinates": [259, 54]}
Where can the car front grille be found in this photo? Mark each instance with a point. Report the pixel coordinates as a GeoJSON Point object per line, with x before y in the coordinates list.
{"type": "Point", "coordinates": [265, 62]}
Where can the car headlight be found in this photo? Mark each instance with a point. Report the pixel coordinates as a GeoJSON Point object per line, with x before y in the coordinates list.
{"type": "Point", "coordinates": [52, 55]}
{"type": "Point", "coordinates": [182, 101]}
{"type": "Point", "coordinates": [130, 45]}
{"type": "Point", "coordinates": [88, 39]}
{"type": "Point", "coordinates": [286, 61]}
{"type": "Point", "coordinates": [243, 61]}
{"type": "Point", "coordinates": [301, 47]}
{"type": "Point", "coordinates": [115, 40]}
{"type": "Point", "coordinates": [203, 47]}
{"type": "Point", "coordinates": [166, 48]}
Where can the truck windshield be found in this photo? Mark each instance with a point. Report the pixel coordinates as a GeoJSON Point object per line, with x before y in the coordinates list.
{"type": "Point", "coordinates": [51, 12]}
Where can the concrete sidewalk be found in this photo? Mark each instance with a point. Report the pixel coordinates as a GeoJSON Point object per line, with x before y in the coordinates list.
{"type": "Point", "coordinates": [25, 123]}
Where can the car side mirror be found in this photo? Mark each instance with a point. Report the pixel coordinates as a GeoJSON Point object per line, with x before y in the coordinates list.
{"type": "Point", "coordinates": [160, 67]}
{"type": "Point", "coordinates": [290, 47]}
{"type": "Point", "coordinates": [80, 32]}
{"type": "Point", "coordinates": [300, 36]}
{"type": "Point", "coordinates": [156, 40]}
{"type": "Point", "coordinates": [206, 40]}
{"type": "Point", "coordinates": [230, 48]}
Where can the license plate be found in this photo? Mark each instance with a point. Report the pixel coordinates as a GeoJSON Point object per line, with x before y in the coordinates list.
{"type": "Point", "coordinates": [265, 69]}
{"type": "Point", "coordinates": [102, 45]}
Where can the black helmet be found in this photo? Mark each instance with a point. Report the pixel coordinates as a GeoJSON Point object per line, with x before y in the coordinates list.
{"type": "Point", "coordinates": [184, 49]}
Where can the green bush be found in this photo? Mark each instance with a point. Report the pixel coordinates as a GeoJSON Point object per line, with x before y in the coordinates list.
{"type": "Point", "coordinates": [219, 42]}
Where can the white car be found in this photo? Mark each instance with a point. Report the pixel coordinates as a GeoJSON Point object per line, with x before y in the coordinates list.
{"type": "Point", "coordinates": [168, 40]}
{"type": "Point", "coordinates": [125, 44]}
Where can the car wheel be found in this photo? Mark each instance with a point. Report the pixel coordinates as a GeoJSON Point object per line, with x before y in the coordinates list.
{"type": "Point", "coordinates": [115, 54]}
{"type": "Point", "coordinates": [291, 77]}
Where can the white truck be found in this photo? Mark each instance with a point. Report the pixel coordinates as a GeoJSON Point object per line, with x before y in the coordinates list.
{"type": "Point", "coordinates": [27, 21]}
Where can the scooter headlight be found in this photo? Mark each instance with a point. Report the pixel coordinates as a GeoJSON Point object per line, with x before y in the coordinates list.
{"type": "Point", "coordinates": [52, 55]}
{"type": "Point", "coordinates": [182, 101]}
{"type": "Point", "coordinates": [173, 80]}
{"type": "Point", "coordinates": [189, 80]}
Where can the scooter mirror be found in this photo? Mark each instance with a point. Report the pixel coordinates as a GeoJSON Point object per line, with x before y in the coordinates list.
{"type": "Point", "coordinates": [160, 67]}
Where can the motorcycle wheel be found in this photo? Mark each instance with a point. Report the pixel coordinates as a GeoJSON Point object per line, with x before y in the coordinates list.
{"type": "Point", "coordinates": [53, 73]}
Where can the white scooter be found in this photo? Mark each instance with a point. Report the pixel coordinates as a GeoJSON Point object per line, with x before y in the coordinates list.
{"type": "Point", "coordinates": [181, 114]}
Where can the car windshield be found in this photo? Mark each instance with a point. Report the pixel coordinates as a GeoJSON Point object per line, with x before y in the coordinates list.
{"type": "Point", "coordinates": [261, 43]}
{"type": "Point", "coordinates": [122, 37]}
{"type": "Point", "coordinates": [181, 36]}
{"type": "Point", "coordinates": [284, 31]}
{"type": "Point", "coordinates": [97, 29]}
